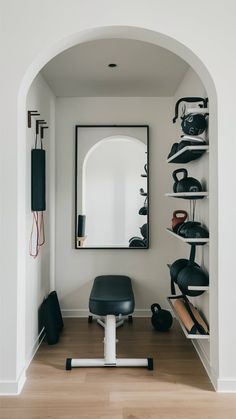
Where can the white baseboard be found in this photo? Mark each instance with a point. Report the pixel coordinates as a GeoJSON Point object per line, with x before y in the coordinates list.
{"type": "Point", "coordinates": [34, 348]}
{"type": "Point", "coordinates": [205, 361]}
{"type": "Point", "coordinates": [80, 312]}
{"type": "Point", "coordinates": [226, 385]}
{"type": "Point", "coordinates": [221, 385]}
{"type": "Point", "coordinates": [13, 388]}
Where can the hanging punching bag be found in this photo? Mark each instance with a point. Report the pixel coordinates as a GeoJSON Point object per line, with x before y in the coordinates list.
{"type": "Point", "coordinates": [38, 200]}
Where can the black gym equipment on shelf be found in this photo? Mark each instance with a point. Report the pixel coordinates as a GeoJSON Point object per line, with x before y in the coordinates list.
{"type": "Point", "coordinates": [188, 149]}
{"type": "Point", "coordinates": [187, 273]}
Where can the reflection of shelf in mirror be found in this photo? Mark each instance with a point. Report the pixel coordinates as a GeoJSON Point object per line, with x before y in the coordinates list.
{"type": "Point", "coordinates": [193, 149]}
{"type": "Point", "coordinates": [187, 195]}
{"type": "Point", "coordinates": [188, 335]}
{"type": "Point", "coordinates": [188, 240]}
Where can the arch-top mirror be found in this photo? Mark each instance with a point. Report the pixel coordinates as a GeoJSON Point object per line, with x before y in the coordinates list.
{"type": "Point", "coordinates": [111, 186]}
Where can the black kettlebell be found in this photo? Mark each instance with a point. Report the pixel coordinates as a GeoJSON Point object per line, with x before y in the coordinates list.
{"type": "Point", "coordinates": [203, 103]}
{"type": "Point", "coordinates": [193, 230]}
{"type": "Point", "coordinates": [178, 218]}
{"type": "Point", "coordinates": [193, 123]}
{"type": "Point", "coordinates": [137, 242]}
{"type": "Point", "coordinates": [144, 230]}
{"type": "Point", "coordinates": [161, 319]}
{"type": "Point", "coordinates": [186, 184]}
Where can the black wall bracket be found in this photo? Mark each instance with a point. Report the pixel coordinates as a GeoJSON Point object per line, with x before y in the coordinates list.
{"type": "Point", "coordinates": [39, 122]}
{"type": "Point", "coordinates": [29, 116]}
{"type": "Point", "coordinates": [42, 132]}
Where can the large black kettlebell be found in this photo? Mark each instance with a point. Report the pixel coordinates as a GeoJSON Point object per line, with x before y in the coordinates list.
{"type": "Point", "coordinates": [186, 184]}
{"type": "Point", "coordinates": [161, 319]}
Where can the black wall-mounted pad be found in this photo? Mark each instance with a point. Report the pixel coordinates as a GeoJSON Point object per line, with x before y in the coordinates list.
{"type": "Point", "coordinates": [38, 180]}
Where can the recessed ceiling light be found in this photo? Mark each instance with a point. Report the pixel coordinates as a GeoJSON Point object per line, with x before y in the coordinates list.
{"type": "Point", "coordinates": [112, 65]}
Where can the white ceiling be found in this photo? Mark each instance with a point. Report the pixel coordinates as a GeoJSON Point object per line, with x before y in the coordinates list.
{"type": "Point", "coordinates": [142, 69]}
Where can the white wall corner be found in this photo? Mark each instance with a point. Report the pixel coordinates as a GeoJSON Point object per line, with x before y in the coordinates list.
{"type": "Point", "coordinates": [13, 388]}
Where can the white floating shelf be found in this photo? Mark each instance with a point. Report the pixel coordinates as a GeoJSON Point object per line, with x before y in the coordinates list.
{"type": "Point", "coordinates": [197, 110]}
{"type": "Point", "coordinates": [187, 195]}
{"type": "Point", "coordinates": [188, 335]}
{"type": "Point", "coordinates": [187, 240]}
{"type": "Point", "coordinates": [193, 148]}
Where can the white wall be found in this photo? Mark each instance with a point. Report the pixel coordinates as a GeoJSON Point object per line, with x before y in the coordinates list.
{"type": "Point", "coordinates": [76, 269]}
{"type": "Point", "coordinates": [39, 271]}
{"type": "Point", "coordinates": [169, 25]}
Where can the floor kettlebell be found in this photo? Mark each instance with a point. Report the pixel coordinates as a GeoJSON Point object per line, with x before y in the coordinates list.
{"type": "Point", "coordinates": [186, 184]}
{"type": "Point", "coordinates": [161, 319]}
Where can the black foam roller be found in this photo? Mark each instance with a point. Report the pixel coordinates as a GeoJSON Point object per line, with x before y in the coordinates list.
{"type": "Point", "coordinates": [38, 176]}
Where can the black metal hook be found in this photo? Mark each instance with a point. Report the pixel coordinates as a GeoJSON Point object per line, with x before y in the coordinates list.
{"type": "Point", "coordinates": [39, 122]}
{"type": "Point", "coordinates": [29, 116]}
{"type": "Point", "coordinates": [42, 132]}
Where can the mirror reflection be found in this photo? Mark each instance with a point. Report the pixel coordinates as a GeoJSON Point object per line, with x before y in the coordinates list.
{"type": "Point", "coordinates": [111, 199]}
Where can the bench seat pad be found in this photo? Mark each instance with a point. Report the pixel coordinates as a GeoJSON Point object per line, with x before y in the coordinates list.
{"type": "Point", "coordinates": [111, 294]}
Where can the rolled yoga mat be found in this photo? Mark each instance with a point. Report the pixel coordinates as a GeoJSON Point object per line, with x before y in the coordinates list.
{"type": "Point", "coordinates": [191, 327]}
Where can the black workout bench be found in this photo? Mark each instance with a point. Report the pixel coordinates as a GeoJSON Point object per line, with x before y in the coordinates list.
{"type": "Point", "coordinates": [111, 296]}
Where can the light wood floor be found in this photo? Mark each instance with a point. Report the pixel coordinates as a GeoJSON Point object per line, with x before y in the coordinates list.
{"type": "Point", "coordinates": [177, 388]}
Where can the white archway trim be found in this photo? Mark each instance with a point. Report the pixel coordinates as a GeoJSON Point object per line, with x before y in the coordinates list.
{"type": "Point", "coordinates": [137, 33]}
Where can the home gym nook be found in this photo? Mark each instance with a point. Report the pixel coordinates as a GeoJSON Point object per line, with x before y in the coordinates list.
{"type": "Point", "coordinates": [160, 268]}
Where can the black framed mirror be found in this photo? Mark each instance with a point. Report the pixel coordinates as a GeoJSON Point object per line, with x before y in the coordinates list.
{"type": "Point", "coordinates": [111, 186]}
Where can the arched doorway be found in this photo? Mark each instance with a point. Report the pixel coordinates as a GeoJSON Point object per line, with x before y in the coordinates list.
{"type": "Point", "coordinates": [194, 61]}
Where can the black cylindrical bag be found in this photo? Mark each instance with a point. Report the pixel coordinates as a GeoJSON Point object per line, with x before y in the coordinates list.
{"type": "Point", "coordinates": [38, 175]}
{"type": "Point", "coordinates": [49, 321]}
{"type": "Point", "coordinates": [56, 310]}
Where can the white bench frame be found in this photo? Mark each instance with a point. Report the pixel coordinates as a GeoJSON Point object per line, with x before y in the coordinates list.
{"type": "Point", "coordinates": [110, 359]}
